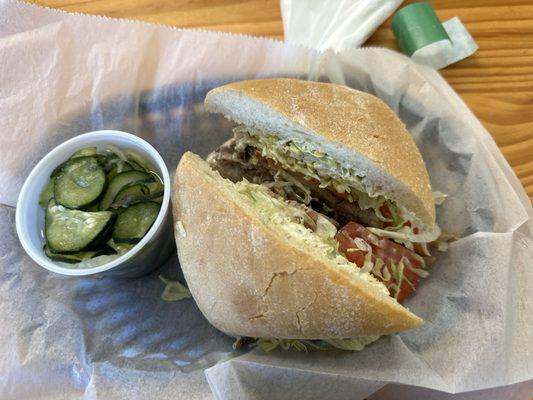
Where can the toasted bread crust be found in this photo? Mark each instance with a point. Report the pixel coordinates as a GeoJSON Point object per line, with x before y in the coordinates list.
{"type": "Point", "coordinates": [358, 121]}
{"type": "Point", "coordinates": [248, 280]}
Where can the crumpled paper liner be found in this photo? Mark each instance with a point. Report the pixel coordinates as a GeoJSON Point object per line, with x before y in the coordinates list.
{"type": "Point", "coordinates": [93, 337]}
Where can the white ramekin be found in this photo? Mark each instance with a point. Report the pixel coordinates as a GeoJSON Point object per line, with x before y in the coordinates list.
{"type": "Point", "coordinates": [145, 256]}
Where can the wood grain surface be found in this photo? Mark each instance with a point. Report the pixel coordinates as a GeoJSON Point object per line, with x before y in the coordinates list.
{"type": "Point", "coordinates": [496, 82]}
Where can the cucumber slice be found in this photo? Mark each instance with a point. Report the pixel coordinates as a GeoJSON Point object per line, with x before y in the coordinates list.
{"type": "Point", "coordinates": [109, 161]}
{"type": "Point", "coordinates": [137, 193]}
{"type": "Point", "coordinates": [70, 258]}
{"type": "Point", "coordinates": [118, 168]}
{"type": "Point", "coordinates": [156, 188]}
{"type": "Point", "coordinates": [136, 166]}
{"type": "Point", "coordinates": [133, 194]}
{"type": "Point", "coordinates": [73, 258]}
{"type": "Point", "coordinates": [68, 231]}
{"type": "Point", "coordinates": [133, 223]}
{"type": "Point", "coordinates": [106, 161]}
{"type": "Point", "coordinates": [138, 162]}
{"type": "Point", "coordinates": [80, 183]}
{"type": "Point", "coordinates": [158, 200]}
{"type": "Point", "coordinates": [57, 170]}
{"type": "Point", "coordinates": [120, 181]}
{"type": "Point", "coordinates": [120, 248]}
{"type": "Point", "coordinates": [77, 154]}
{"type": "Point", "coordinates": [156, 177]}
{"type": "Point", "coordinates": [92, 208]}
{"type": "Point", "coordinates": [85, 152]}
{"type": "Point", "coordinates": [47, 194]}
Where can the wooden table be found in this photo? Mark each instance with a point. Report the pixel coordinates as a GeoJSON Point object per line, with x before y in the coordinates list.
{"type": "Point", "coordinates": [496, 82]}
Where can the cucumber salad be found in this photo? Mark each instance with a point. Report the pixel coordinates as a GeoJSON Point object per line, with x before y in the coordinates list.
{"type": "Point", "coordinates": [99, 205]}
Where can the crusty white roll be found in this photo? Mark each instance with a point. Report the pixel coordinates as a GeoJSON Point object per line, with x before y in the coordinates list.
{"type": "Point", "coordinates": [250, 280]}
{"type": "Point", "coordinates": [252, 277]}
{"type": "Point", "coordinates": [358, 129]}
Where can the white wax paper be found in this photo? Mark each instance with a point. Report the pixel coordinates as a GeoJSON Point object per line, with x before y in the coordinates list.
{"type": "Point", "coordinates": [64, 337]}
{"type": "Point", "coordinates": [334, 24]}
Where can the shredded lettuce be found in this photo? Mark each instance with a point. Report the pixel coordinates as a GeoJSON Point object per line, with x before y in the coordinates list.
{"type": "Point", "coordinates": [174, 290]}
{"type": "Point", "coordinates": [405, 234]}
{"type": "Point", "coordinates": [180, 229]}
{"type": "Point", "coordinates": [267, 345]}
{"type": "Point", "coordinates": [286, 185]}
{"type": "Point", "coordinates": [290, 218]}
{"type": "Point", "coordinates": [354, 344]}
{"type": "Point", "coordinates": [313, 164]}
{"type": "Point", "coordinates": [324, 228]}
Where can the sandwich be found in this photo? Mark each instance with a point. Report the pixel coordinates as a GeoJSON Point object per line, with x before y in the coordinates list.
{"type": "Point", "coordinates": [315, 221]}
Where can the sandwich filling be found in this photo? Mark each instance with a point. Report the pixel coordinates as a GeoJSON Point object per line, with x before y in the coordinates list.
{"type": "Point", "coordinates": [327, 204]}
{"type": "Point", "coordinates": [305, 226]}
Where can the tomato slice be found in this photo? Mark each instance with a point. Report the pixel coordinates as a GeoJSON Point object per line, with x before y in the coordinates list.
{"type": "Point", "coordinates": [388, 251]}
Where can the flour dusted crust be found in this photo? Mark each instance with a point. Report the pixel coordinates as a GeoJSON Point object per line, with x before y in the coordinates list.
{"type": "Point", "coordinates": [358, 129]}
{"type": "Point", "coordinates": [248, 280]}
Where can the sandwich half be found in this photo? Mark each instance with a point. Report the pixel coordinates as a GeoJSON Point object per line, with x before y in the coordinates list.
{"type": "Point", "coordinates": [315, 221]}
